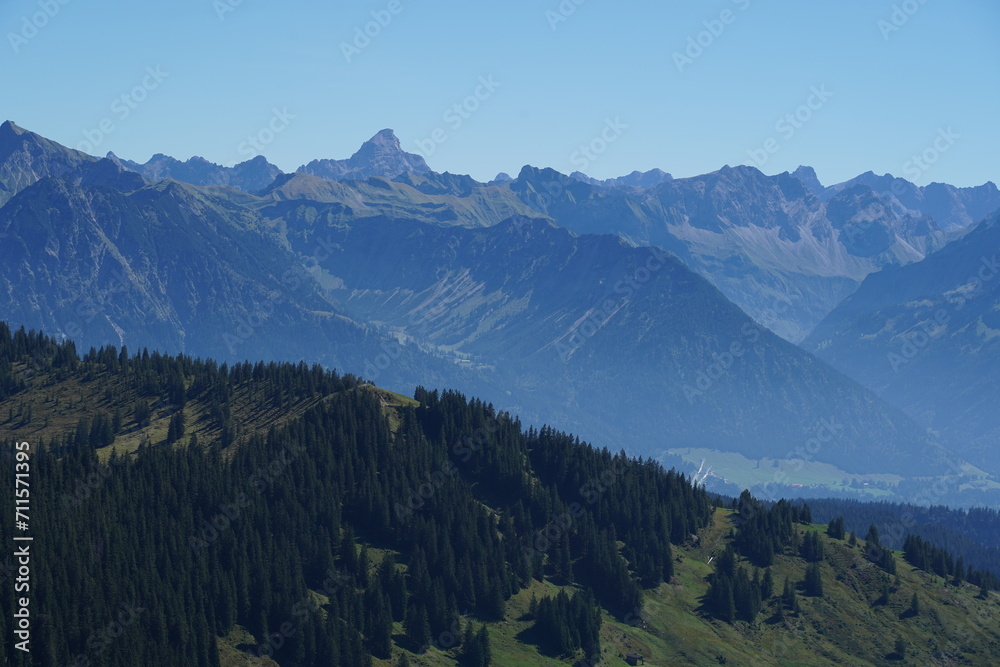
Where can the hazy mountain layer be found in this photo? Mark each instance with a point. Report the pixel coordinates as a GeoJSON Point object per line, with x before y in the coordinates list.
{"type": "Point", "coordinates": [250, 176]}
{"type": "Point", "coordinates": [592, 333]}
{"type": "Point", "coordinates": [784, 255]}
{"type": "Point", "coordinates": [927, 337]}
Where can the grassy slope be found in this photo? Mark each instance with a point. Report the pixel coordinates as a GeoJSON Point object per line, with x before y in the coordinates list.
{"type": "Point", "coordinates": [843, 627]}
{"type": "Point", "coordinates": [57, 406]}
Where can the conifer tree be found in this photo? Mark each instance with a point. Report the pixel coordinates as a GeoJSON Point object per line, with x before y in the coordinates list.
{"type": "Point", "coordinates": [767, 585]}
{"type": "Point", "coordinates": [814, 580]}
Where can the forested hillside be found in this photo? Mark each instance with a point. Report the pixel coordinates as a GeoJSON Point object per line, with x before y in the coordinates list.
{"type": "Point", "coordinates": [970, 534]}
{"type": "Point", "coordinates": [189, 513]}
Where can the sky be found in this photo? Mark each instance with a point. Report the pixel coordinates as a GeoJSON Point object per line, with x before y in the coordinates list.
{"type": "Point", "coordinates": [905, 87]}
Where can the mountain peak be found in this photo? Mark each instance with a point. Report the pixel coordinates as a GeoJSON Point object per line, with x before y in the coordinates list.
{"type": "Point", "coordinates": [807, 176]}
{"type": "Point", "coordinates": [381, 156]}
{"type": "Point", "coordinates": [384, 150]}
{"type": "Point", "coordinates": [528, 172]}
{"type": "Point", "coordinates": [26, 158]}
{"type": "Point", "coordinates": [9, 128]}
{"type": "Point", "coordinates": [385, 137]}
{"type": "Point", "coordinates": [11, 137]}
{"type": "Point", "coordinates": [803, 171]}
{"type": "Point", "coordinates": [740, 171]}
{"type": "Point", "coordinates": [636, 179]}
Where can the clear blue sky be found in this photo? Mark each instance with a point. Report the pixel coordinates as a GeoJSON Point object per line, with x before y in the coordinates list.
{"type": "Point", "coordinates": [558, 87]}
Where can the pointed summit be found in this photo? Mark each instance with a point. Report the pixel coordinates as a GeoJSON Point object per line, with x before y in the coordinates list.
{"type": "Point", "coordinates": [807, 176]}
{"type": "Point", "coordinates": [383, 151]}
{"type": "Point", "coordinates": [26, 158]}
{"type": "Point", "coordinates": [10, 129]}
{"type": "Point", "coordinates": [12, 139]}
{"type": "Point", "coordinates": [381, 156]}
{"type": "Point", "coordinates": [385, 137]}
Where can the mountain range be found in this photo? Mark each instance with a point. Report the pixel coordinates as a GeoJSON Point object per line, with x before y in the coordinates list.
{"type": "Point", "coordinates": [786, 251]}
{"type": "Point", "coordinates": [612, 310]}
{"type": "Point", "coordinates": [250, 176]}
{"type": "Point", "coordinates": [381, 156]}
{"type": "Point", "coordinates": [784, 248]}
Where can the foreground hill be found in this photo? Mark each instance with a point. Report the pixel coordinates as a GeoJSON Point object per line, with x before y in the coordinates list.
{"type": "Point", "coordinates": [188, 513]}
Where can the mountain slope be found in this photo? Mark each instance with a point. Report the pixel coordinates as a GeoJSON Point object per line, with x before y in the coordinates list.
{"type": "Point", "coordinates": [593, 334]}
{"type": "Point", "coordinates": [440, 199]}
{"type": "Point", "coordinates": [25, 158]}
{"type": "Point", "coordinates": [171, 267]}
{"type": "Point", "coordinates": [927, 338]}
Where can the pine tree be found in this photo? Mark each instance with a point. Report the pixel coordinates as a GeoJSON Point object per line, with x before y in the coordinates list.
{"type": "Point", "coordinates": [175, 429]}
{"type": "Point", "coordinates": [564, 565]}
{"type": "Point", "coordinates": [959, 572]}
{"type": "Point", "coordinates": [767, 585]}
{"type": "Point", "coordinates": [417, 627]}
{"type": "Point", "coordinates": [476, 648]}
{"type": "Point", "coordinates": [486, 653]}
{"type": "Point", "coordinates": [814, 580]}
{"type": "Point", "coordinates": [900, 648]}
{"type": "Point", "coordinates": [790, 597]}
{"type": "Point", "coordinates": [886, 593]}
{"type": "Point", "coordinates": [725, 604]}
{"type": "Point", "coordinates": [143, 413]}
{"type": "Point", "coordinates": [889, 562]}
